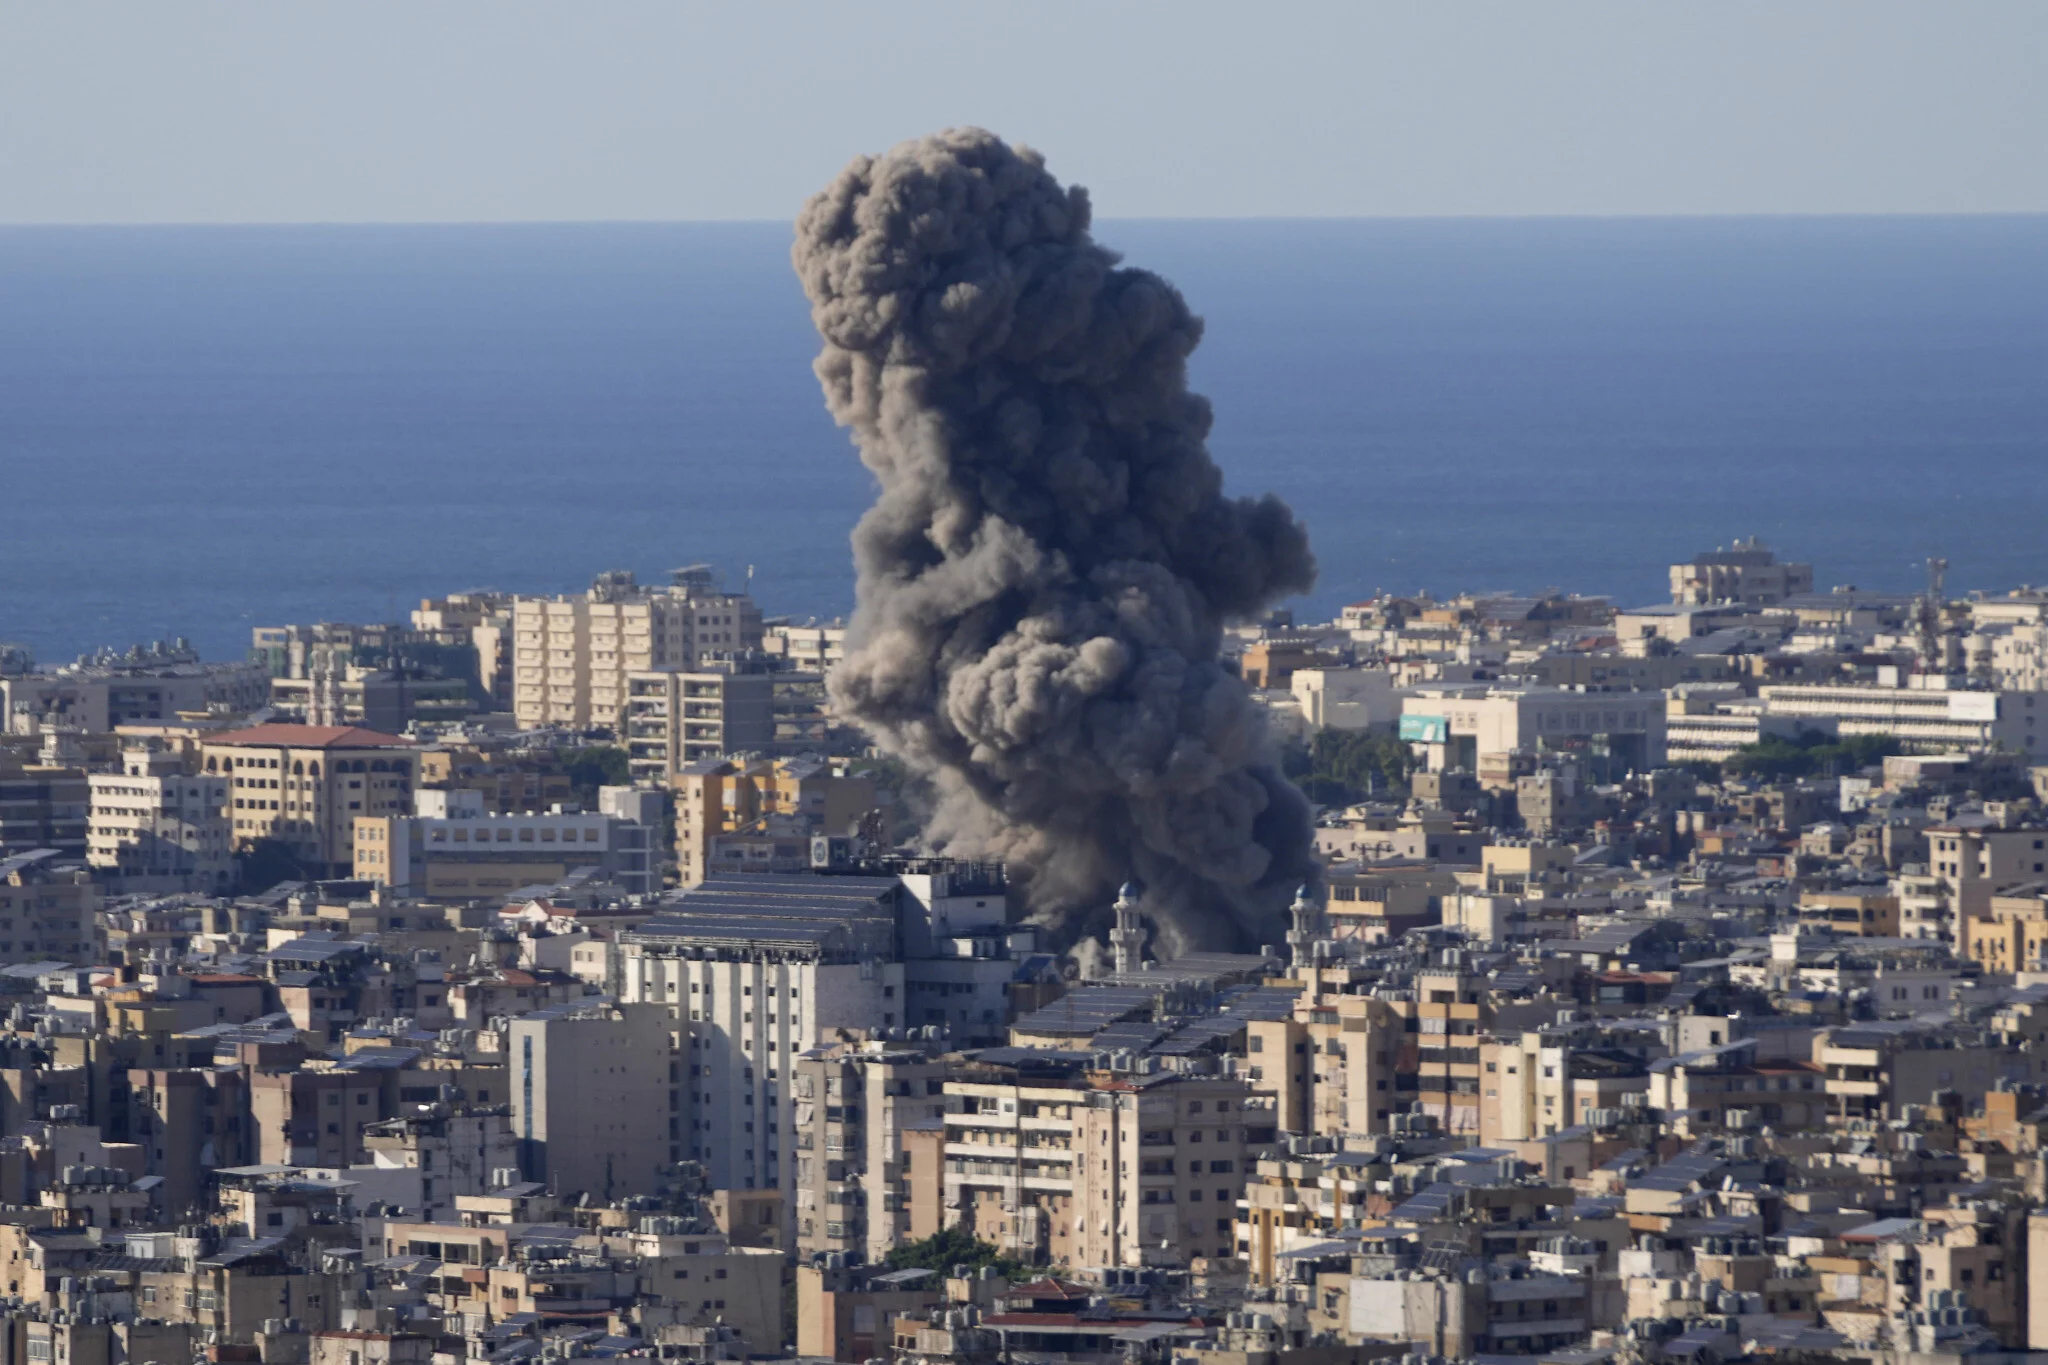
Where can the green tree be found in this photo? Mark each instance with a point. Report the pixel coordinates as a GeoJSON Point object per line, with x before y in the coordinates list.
{"type": "Point", "coordinates": [1339, 767]}
{"type": "Point", "coordinates": [1809, 754]}
{"type": "Point", "coordinates": [949, 1247]}
{"type": "Point", "coordinates": [598, 765]}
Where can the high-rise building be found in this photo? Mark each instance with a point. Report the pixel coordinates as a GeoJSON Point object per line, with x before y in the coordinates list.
{"type": "Point", "coordinates": [854, 1102]}
{"type": "Point", "coordinates": [572, 656]}
{"type": "Point", "coordinates": [676, 719]}
{"type": "Point", "coordinates": [590, 1085]}
{"type": "Point", "coordinates": [753, 972]}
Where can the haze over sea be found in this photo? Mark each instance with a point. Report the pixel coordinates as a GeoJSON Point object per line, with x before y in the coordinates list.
{"type": "Point", "coordinates": [207, 429]}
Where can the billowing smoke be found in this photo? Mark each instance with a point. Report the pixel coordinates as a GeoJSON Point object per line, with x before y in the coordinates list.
{"type": "Point", "coordinates": [1044, 579]}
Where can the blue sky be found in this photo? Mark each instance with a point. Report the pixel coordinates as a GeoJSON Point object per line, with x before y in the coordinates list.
{"type": "Point", "coordinates": [495, 110]}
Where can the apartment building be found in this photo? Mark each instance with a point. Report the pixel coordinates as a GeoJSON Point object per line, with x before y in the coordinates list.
{"type": "Point", "coordinates": [806, 649]}
{"type": "Point", "coordinates": [107, 690]}
{"type": "Point", "coordinates": [530, 780]}
{"type": "Point", "coordinates": [676, 719]}
{"type": "Point", "coordinates": [854, 1102]}
{"type": "Point", "coordinates": [452, 848]}
{"type": "Point", "coordinates": [755, 971]}
{"type": "Point", "coordinates": [2012, 935]}
{"type": "Point", "coordinates": [716, 797]}
{"type": "Point", "coordinates": [47, 907]}
{"type": "Point", "coordinates": [374, 698]}
{"type": "Point", "coordinates": [1144, 1167]}
{"type": "Point", "coordinates": [157, 826]}
{"type": "Point", "coordinates": [485, 620]}
{"type": "Point", "coordinates": [43, 805]}
{"type": "Point", "coordinates": [1976, 857]}
{"type": "Point", "coordinates": [572, 656]}
{"type": "Point", "coordinates": [305, 786]}
{"type": "Point", "coordinates": [584, 1080]}
{"type": "Point", "coordinates": [1747, 572]}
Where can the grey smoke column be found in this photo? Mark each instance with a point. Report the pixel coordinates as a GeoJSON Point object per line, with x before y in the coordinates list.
{"type": "Point", "coordinates": [1042, 583]}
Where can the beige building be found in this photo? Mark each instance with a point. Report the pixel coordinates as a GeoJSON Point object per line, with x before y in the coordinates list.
{"type": "Point", "coordinates": [305, 786]}
{"type": "Point", "coordinates": [717, 797]}
{"type": "Point", "coordinates": [755, 971]}
{"type": "Point", "coordinates": [452, 849]}
{"type": "Point", "coordinates": [129, 689]}
{"type": "Point", "coordinates": [853, 1104]}
{"type": "Point", "coordinates": [572, 656]}
{"type": "Point", "coordinates": [676, 719]}
{"type": "Point", "coordinates": [595, 1093]}
{"type": "Point", "coordinates": [1976, 858]}
{"type": "Point", "coordinates": [156, 826]}
{"type": "Point", "coordinates": [1480, 726]}
{"type": "Point", "coordinates": [1746, 572]}
{"type": "Point", "coordinates": [1105, 1168]}
{"type": "Point", "coordinates": [485, 618]}
{"type": "Point", "coordinates": [47, 911]}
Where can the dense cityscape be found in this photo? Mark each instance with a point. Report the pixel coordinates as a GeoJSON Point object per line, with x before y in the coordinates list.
{"type": "Point", "coordinates": [568, 977]}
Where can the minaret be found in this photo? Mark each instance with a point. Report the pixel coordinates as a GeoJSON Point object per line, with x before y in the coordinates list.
{"type": "Point", "coordinates": [1301, 936]}
{"type": "Point", "coordinates": [1127, 940]}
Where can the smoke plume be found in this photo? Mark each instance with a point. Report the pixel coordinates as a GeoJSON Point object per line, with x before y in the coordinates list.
{"type": "Point", "coordinates": [1044, 579]}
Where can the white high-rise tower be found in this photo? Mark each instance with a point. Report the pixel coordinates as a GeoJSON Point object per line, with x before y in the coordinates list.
{"type": "Point", "coordinates": [1127, 939]}
{"type": "Point", "coordinates": [1301, 934]}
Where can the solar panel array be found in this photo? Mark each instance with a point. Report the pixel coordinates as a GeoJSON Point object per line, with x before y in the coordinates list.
{"type": "Point", "coordinates": [1087, 1010]}
{"type": "Point", "coordinates": [1682, 1172]}
{"type": "Point", "coordinates": [808, 913]}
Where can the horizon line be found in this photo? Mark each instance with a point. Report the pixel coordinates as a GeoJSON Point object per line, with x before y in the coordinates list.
{"type": "Point", "coordinates": [1774, 215]}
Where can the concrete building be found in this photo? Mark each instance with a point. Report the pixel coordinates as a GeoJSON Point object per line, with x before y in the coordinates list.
{"type": "Point", "coordinates": [305, 786]}
{"type": "Point", "coordinates": [806, 649]}
{"type": "Point", "coordinates": [717, 797]}
{"type": "Point", "coordinates": [1924, 713]}
{"type": "Point", "coordinates": [1048, 1160]}
{"type": "Point", "coordinates": [372, 698]}
{"type": "Point", "coordinates": [156, 826]}
{"type": "Point", "coordinates": [676, 719]}
{"type": "Point", "coordinates": [1977, 857]}
{"type": "Point", "coordinates": [106, 690]}
{"type": "Point", "coordinates": [43, 805]}
{"type": "Point", "coordinates": [1346, 698]}
{"type": "Point", "coordinates": [754, 971]}
{"type": "Point", "coordinates": [47, 910]}
{"type": "Point", "coordinates": [452, 849]}
{"type": "Point", "coordinates": [485, 618]}
{"type": "Point", "coordinates": [1707, 724]}
{"type": "Point", "coordinates": [595, 1090]}
{"type": "Point", "coordinates": [572, 656]}
{"type": "Point", "coordinates": [854, 1102]}
{"type": "Point", "coordinates": [1482, 727]}
{"type": "Point", "coordinates": [1746, 572]}
{"type": "Point", "coordinates": [458, 1149]}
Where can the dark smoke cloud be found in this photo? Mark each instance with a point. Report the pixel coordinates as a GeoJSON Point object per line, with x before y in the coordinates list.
{"type": "Point", "coordinates": [1043, 582]}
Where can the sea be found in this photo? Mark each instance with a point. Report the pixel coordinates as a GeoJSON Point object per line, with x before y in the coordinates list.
{"type": "Point", "coordinates": [207, 429]}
